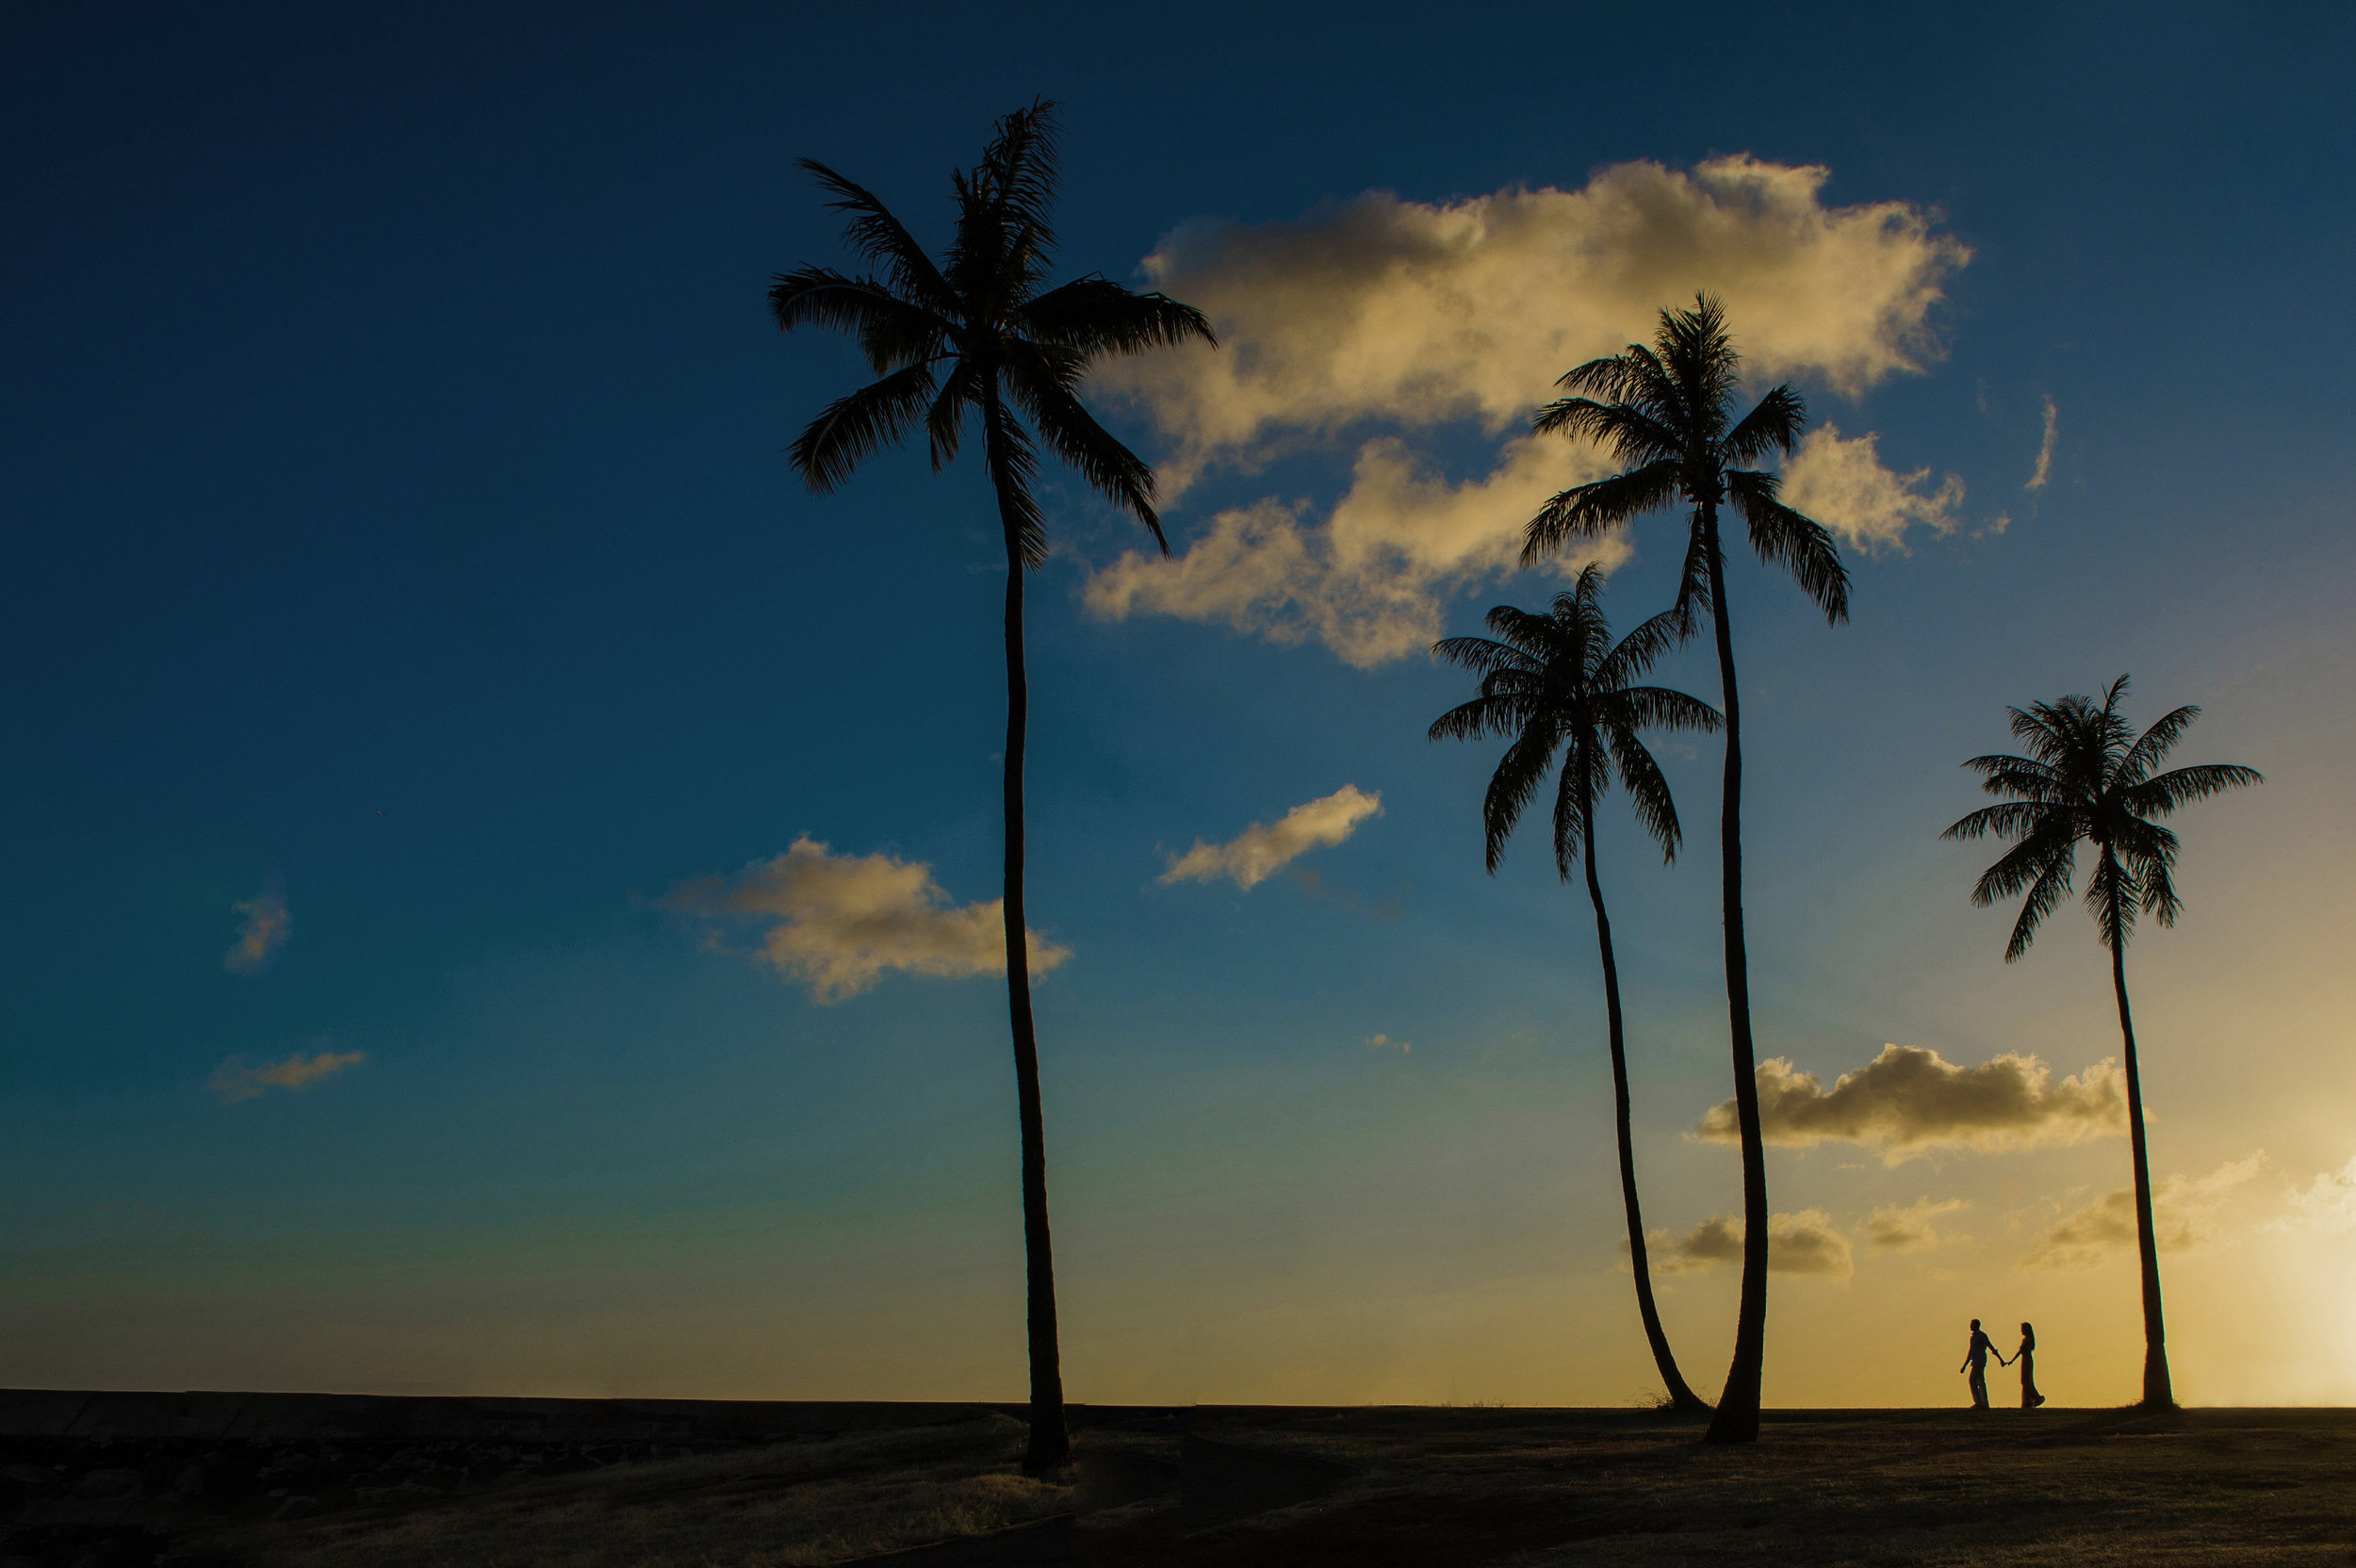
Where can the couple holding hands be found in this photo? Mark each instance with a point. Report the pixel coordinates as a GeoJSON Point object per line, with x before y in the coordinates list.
{"type": "Point", "coordinates": [1975, 1363]}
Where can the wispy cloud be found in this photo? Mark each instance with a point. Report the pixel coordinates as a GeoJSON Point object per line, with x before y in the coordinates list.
{"type": "Point", "coordinates": [261, 934]}
{"type": "Point", "coordinates": [235, 1081]}
{"type": "Point", "coordinates": [2045, 447]}
{"type": "Point", "coordinates": [837, 924]}
{"type": "Point", "coordinates": [1414, 316]}
{"type": "Point", "coordinates": [1842, 483]}
{"type": "Point", "coordinates": [1263, 849]}
{"type": "Point", "coordinates": [1908, 1101]}
{"type": "Point", "coordinates": [2184, 1209]}
{"type": "Point", "coordinates": [1385, 1043]}
{"type": "Point", "coordinates": [1802, 1243]}
{"type": "Point", "coordinates": [1912, 1228]}
{"type": "Point", "coordinates": [2327, 1204]}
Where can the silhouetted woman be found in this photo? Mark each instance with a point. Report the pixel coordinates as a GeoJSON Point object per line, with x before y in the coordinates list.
{"type": "Point", "coordinates": [2026, 1356]}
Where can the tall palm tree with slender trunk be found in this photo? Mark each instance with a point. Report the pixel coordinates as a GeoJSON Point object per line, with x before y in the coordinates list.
{"type": "Point", "coordinates": [981, 334]}
{"type": "Point", "coordinates": [2087, 778]}
{"type": "Point", "coordinates": [1558, 683]}
{"type": "Point", "coordinates": [1666, 414]}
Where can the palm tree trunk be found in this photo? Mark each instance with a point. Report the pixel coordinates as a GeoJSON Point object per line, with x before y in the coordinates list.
{"type": "Point", "coordinates": [1736, 1419]}
{"type": "Point", "coordinates": [1050, 1445]}
{"type": "Point", "coordinates": [2157, 1394]}
{"type": "Point", "coordinates": [1681, 1398]}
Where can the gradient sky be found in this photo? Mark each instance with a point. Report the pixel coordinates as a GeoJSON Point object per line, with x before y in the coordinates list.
{"type": "Point", "coordinates": [411, 624]}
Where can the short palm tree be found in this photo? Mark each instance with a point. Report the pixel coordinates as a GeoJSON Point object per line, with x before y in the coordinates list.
{"type": "Point", "coordinates": [2089, 777]}
{"type": "Point", "coordinates": [981, 334]}
{"type": "Point", "coordinates": [1666, 414]}
{"type": "Point", "coordinates": [1557, 683]}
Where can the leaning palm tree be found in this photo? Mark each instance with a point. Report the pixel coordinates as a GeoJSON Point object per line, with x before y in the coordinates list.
{"type": "Point", "coordinates": [2088, 776]}
{"type": "Point", "coordinates": [1666, 414]}
{"type": "Point", "coordinates": [1558, 683]}
{"type": "Point", "coordinates": [980, 334]}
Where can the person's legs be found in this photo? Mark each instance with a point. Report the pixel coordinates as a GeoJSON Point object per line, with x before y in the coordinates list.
{"type": "Point", "coordinates": [1979, 1386]}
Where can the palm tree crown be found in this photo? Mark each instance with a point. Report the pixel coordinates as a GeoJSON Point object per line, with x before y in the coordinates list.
{"type": "Point", "coordinates": [2088, 779]}
{"type": "Point", "coordinates": [1665, 413]}
{"type": "Point", "coordinates": [977, 332]}
{"type": "Point", "coordinates": [1557, 683]}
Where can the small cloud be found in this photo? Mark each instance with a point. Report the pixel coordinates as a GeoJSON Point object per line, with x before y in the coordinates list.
{"type": "Point", "coordinates": [1264, 848]}
{"type": "Point", "coordinates": [2328, 1203]}
{"type": "Point", "coordinates": [1842, 483]}
{"type": "Point", "coordinates": [264, 932]}
{"type": "Point", "coordinates": [1909, 1101]}
{"type": "Point", "coordinates": [2045, 447]}
{"type": "Point", "coordinates": [1802, 1243]}
{"type": "Point", "coordinates": [837, 923]}
{"type": "Point", "coordinates": [1385, 1043]}
{"type": "Point", "coordinates": [235, 1081]}
{"type": "Point", "coordinates": [2182, 1208]}
{"type": "Point", "coordinates": [1910, 1229]}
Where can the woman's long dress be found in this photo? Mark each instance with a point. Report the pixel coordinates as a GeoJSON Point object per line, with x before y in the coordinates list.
{"type": "Point", "coordinates": [2030, 1397]}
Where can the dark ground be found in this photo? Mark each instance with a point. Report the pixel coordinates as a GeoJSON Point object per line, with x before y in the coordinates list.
{"type": "Point", "coordinates": [229, 1480]}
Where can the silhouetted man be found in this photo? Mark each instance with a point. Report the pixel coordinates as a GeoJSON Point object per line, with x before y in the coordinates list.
{"type": "Point", "coordinates": [1975, 1363]}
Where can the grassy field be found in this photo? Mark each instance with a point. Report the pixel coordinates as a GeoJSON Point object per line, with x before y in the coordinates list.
{"type": "Point", "coordinates": [1402, 1488]}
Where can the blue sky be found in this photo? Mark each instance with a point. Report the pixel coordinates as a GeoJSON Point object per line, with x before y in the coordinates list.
{"type": "Point", "coordinates": [398, 522]}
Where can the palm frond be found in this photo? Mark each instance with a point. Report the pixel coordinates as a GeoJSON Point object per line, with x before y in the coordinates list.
{"type": "Point", "coordinates": [1772, 425]}
{"type": "Point", "coordinates": [2044, 893]}
{"type": "Point", "coordinates": [944, 422]}
{"type": "Point", "coordinates": [1641, 648]}
{"type": "Point", "coordinates": [1035, 380]}
{"type": "Point", "coordinates": [851, 427]}
{"type": "Point", "coordinates": [1659, 708]}
{"type": "Point", "coordinates": [1482, 655]}
{"type": "Point", "coordinates": [2157, 797]}
{"type": "Point", "coordinates": [1093, 315]}
{"type": "Point", "coordinates": [1631, 434]}
{"type": "Point", "coordinates": [1491, 713]}
{"type": "Point", "coordinates": [1511, 787]}
{"type": "Point", "coordinates": [1587, 509]}
{"type": "Point", "coordinates": [1799, 545]}
{"type": "Point", "coordinates": [1648, 795]}
{"type": "Point", "coordinates": [892, 331]}
{"type": "Point", "coordinates": [2014, 819]}
{"type": "Point", "coordinates": [2155, 744]}
{"type": "Point", "coordinates": [1585, 774]}
{"type": "Point", "coordinates": [880, 239]}
{"type": "Point", "coordinates": [1013, 471]}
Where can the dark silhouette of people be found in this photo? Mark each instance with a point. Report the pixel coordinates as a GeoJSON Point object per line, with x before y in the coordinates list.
{"type": "Point", "coordinates": [2026, 1356]}
{"type": "Point", "coordinates": [1975, 1363]}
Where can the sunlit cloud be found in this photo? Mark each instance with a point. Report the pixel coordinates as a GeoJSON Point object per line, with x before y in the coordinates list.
{"type": "Point", "coordinates": [1414, 316]}
{"type": "Point", "coordinates": [261, 934]}
{"type": "Point", "coordinates": [1369, 580]}
{"type": "Point", "coordinates": [235, 1081]}
{"type": "Point", "coordinates": [1802, 1243]}
{"type": "Point", "coordinates": [1908, 1101]}
{"type": "Point", "coordinates": [1385, 1043]}
{"type": "Point", "coordinates": [1263, 849]}
{"type": "Point", "coordinates": [2328, 1203]}
{"type": "Point", "coordinates": [2183, 1211]}
{"type": "Point", "coordinates": [1912, 1228]}
{"type": "Point", "coordinates": [1841, 482]}
{"type": "Point", "coordinates": [837, 924]}
{"type": "Point", "coordinates": [2045, 447]}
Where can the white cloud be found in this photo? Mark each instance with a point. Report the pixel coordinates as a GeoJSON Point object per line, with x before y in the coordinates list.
{"type": "Point", "coordinates": [1802, 1243]}
{"type": "Point", "coordinates": [837, 923]}
{"type": "Point", "coordinates": [1368, 581]}
{"type": "Point", "coordinates": [235, 1081]}
{"type": "Point", "coordinates": [1842, 483]}
{"type": "Point", "coordinates": [1385, 1043]}
{"type": "Point", "coordinates": [2045, 447]}
{"type": "Point", "coordinates": [1416, 315]}
{"type": "Point", "coordinates": [1420, 314]}
{"type": "Point", "coordinates": [1908, 1101]}
{"type": "Point", "coordinates": [1264, 848]}
{"type": "Point", "coordinates": [1911, 1228]}
{"type": "Point", "coordinates": [263, 931]}
{"type": "Point", "coordinates": [2183, 1212]}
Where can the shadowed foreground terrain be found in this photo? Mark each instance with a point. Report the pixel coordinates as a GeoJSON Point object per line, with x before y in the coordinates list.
{"type": "Point", "coordinates": [387, 1483]}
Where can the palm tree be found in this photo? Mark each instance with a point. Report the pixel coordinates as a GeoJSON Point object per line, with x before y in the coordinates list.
{"type": "Point", "coordinates": [1666, 414]}
{"type": "Point", "coordinates": [1556, 682]}
{"type": "Point", "coordinates": [981, 332]}
{"type": "Point", "coordinates": [2088, 776]}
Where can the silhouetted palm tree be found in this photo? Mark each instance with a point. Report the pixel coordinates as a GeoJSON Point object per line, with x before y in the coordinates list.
{"type": "Point", "coordinates": [982, 334]}
{"type": "Point", "coordinates": [1556, 682]}
{"type": "Point", "coordinates": [1665, 413]}
{"type": "Point", "coordinates": [2089, 777]}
